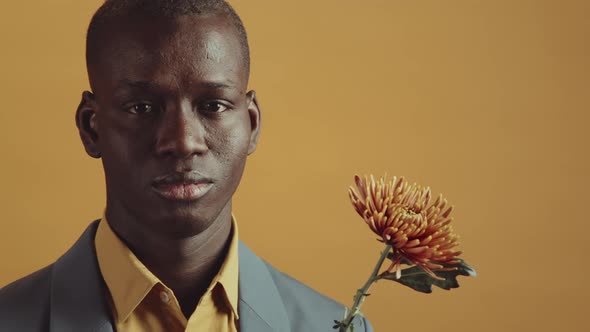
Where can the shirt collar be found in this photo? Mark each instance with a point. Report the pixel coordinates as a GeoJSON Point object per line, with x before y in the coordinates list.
{"type": "Point", "coordinates": [129, 280]}
{"type": "Point", "coordinates": [229, 272]}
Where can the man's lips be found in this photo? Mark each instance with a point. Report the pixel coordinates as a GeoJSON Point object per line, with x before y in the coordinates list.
{"type": "Point", "coordinates": [188, 186]}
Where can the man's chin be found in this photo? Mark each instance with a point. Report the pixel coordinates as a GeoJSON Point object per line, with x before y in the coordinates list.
{"type": "Point", "coordinates": [178, 224]}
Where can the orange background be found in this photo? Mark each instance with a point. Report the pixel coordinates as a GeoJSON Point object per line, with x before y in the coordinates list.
{"type": "Point", "coordinates": [487, 102]}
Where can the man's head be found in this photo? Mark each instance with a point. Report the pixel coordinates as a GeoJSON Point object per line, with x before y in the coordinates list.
{"type": "Point", "coordinates": [169, 113]}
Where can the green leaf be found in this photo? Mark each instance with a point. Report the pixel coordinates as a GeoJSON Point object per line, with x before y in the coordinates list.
{"type": "Point", "coordinates": [337, 324]}
{"type": "Point", "coordinates": [417, 279]}
{"type": "Point", "coordinates": [403, 260]}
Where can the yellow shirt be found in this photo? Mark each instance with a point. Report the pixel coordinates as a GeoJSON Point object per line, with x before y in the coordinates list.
{"type": "Point", "coordinates": [141, 302]}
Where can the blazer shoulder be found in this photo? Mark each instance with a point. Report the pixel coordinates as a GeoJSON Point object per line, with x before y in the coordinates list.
{"type": "Point", "coordinates": [24, 303]}
{"type": "Point", "coordinates": [296, 292]}
{"type": "Point", "coordinates": [306, 305]}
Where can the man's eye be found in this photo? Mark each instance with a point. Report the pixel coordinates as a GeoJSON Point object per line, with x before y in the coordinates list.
{"type": "Point", "coordinates": [140, 108]}
{"type": "Point", "coordinates": [214, 107]}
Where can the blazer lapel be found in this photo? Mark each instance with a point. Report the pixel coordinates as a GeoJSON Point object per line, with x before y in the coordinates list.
{"type": "Point", "coordinates": [78, 304]}
{"type": "Point", "coordinates": [77, 293]}
{"type": "Point", "coordinates": [260, 308]}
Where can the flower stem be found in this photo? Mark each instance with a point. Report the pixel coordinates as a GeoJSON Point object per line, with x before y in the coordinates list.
{"type": "Point", "coordinates": [361, 293]}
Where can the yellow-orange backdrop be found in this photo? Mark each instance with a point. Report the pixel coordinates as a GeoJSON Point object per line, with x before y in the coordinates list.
{"type": "Point", "coordinates": [485, 101]}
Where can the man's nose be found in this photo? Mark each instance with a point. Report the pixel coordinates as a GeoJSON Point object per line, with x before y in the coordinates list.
{"type": "Point", "coordinates": [180, 132]}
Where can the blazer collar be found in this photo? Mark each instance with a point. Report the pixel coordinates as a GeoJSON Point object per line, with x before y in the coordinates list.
{"type": "Point", "coordinates": [77, 290]}
{"type": "Point", "coordinates": [78, 302]}
{"type": "Point", "coordinates": [261, 308]}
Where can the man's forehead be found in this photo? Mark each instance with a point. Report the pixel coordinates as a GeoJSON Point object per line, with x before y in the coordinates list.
{"type": "Point", "coordinates": [180, 32]}
{"type": "Point", "coordinates": [186, 43]}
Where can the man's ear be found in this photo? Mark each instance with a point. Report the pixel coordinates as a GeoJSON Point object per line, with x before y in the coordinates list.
{"type": "Point", "coordinates": [86, 123]}
{"type": "Point", "coordinates": [255, 118]}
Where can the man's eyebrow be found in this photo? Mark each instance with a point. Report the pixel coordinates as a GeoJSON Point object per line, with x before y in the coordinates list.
{"type": "Point", "coordinates": [136, 84]}
{"type": "Point", "coordinates": [217, 85]}
{"type": "Point", "coordinates": [151, 85]}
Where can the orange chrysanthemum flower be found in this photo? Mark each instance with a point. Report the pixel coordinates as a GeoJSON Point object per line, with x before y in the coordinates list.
{"type": "Point", "coordinates": [402, 215]}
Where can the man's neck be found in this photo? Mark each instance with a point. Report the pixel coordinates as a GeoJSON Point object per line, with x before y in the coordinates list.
{"type": "Point", "coordinates": [185, 265]}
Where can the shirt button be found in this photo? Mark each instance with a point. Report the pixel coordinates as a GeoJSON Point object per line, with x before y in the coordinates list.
{"type": "Point", "coordinates": [164, 297]}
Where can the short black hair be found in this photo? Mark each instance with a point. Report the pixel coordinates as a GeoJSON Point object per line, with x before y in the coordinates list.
{"type": "Point", "coordinates": [112, 9]}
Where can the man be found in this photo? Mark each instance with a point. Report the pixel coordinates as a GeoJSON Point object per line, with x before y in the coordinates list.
{"type": "Point", "coordinates": [171, 119]}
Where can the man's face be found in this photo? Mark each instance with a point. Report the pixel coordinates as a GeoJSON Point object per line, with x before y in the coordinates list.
{"type": "Point", "coordinates": [171, 119]}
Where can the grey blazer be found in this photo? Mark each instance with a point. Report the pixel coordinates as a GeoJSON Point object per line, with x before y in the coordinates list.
{"type": "Point", "coordinates": [68, 295]}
